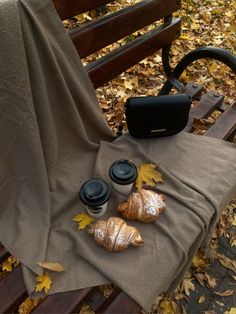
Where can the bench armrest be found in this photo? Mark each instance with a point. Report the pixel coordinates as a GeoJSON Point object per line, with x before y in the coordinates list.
{"type": "Point", "coordinates": [218, 54]}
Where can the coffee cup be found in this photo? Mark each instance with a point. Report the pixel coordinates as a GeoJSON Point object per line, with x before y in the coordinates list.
{"type": "Point", "coordinates": [123, 173]}
{"type": "Point", "coordinates": [94, 194]}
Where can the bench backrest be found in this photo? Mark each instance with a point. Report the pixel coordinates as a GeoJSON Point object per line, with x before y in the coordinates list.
{"type": "Point", "coordinates": [108, 29]}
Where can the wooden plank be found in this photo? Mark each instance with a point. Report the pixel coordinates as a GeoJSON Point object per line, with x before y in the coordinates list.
{"type": "Point", "coordinates": [4, 254]}
{"type": "Point", "coordinates": [69, 8]}
{"type": "Point", "coordinates": [66, 302]}
{"type": "Point", "coordinates": [108, 29]}
{"type": "Point", "coordinates": [12, 291]}
{"type": "Point", "coordinates": [193, 90]}
{"type": "Point", "coordinates": [126, 56]}
{"type": "Point", "coordinates": [224, 125]}
{"type": "Point", "coordinates": [204, 108]}
{"type": "Point", "coordinates": [95, 299]}
{"type": "Point", "coordinates": [119, 302]}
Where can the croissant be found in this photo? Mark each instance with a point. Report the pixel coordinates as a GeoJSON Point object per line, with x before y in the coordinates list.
{"type": "Point", "coordinates": [115, 235]}
{"type": "Point", "coordinates": [144, 205]}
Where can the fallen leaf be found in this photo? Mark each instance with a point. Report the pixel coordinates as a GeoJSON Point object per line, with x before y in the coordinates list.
{"type": "Point", "coordinates": [86, 309]}
{"type": "Point", "coordinates": [231, 311]}
{"type": "Point", "coordinates": [234, 220]}
{"type": "Point", "coordinates": [51, 266]}
{"type": "Point", "coordinates": [148, 174]}
{"type": "Point", "coordinates": [187, 285]}
{"type": "Point", "coordinates": [84, 220]}
{"type": "Point", "coordinates": [202, 299]}
{"type": "Point", "coordinates": [225, 293]}
{"type": "Point", "coordinates": [200, 278]}
{"type": "Point", "coordinates": [44, 283]}
{"type": "Point", "coordinates": [210, 281]}
{"type": "Point", "coordinates": [167, 307]}
{"type": "Point", "coordinates": [199, 261]}
{"type": "Point", "coordinates": [28, 305]}
{"type": "Point", "coordinates": [7, 266]}
{"type": "Point", "coordinates": [226, 262]}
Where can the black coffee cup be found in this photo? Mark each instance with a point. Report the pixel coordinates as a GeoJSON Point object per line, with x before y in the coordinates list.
{"type": "Point", "coordinates": [94, 194]}
{"type": "Point", "coordinates": [123, 173]}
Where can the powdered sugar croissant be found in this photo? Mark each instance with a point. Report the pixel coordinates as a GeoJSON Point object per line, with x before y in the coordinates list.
{"type": "Point", "coordinates": [144, 205]}
{"type": "Point", "coordinates": [115, 235]}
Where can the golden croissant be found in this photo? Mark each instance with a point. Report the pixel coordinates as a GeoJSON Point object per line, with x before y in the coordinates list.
{"type": "Point", "coordinates": [115, 235]}
{"type": "Point", "coordinates": [144, 205]}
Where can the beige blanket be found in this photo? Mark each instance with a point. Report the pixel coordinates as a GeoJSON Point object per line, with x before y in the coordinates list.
{"type": "Point", "coordinates": [53, 137]}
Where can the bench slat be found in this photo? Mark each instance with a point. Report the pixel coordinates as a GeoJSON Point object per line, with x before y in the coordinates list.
{"type": "Point", "coordinates": [224, 125]}
{"type": "Point", "coordinates": [119, 302]}
{"type": "Point", "coordinates": [3, 253]}
{"type": "Point", "coordinates": [95, 299]}
{"type": "Point", "coordinates": [90, 38]}
{"type": "Point", "coordinates": [133, 52]}
{"type": "Point", "coordinates": [204, 108]}
{"type": "Point", "coordinates": [66, 302]}
{"type": "Point", "coordinates": [13, 291]}
{"type": "Point", "coordinates": [69, 8]}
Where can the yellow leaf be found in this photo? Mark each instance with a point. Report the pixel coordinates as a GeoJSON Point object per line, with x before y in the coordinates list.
{"type": "Point", "coordinates": [202, 299]}
{"type": "Point", "coordinates": [131, 83]}
{"type": "Point", "coordinates": [231, 311]}
{"type": "Point", "coordinates": [83, 220]}
{"type": "Point", "coordinates": [213, 68]}
{"type": "Point", "coordinates": [44, 283]}
{"type": "Point", "coordinates": [234, 221]}
{"type": "Point", "coordinates": [7, 266]}
{"type": "Point", "coordinates": [51, 266]}
{"type": "Point", "coordinates": [187, 285]}
{"type": "Point", "coordinates": [167, 307]}
{"type": "Point", "coordinates": [233, 26]}
{"type": "Point", "coordinates": [148, 174]}
{"type": "Point", "coordinates": [199, 261]}
{"type": "Point", "coordinates": [184, 76]}
{"type": "Point", "coordinates": [28, 305]}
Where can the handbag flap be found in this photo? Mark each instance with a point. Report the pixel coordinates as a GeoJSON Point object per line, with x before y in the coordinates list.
{"type": "Point", "coordinates": [157, 115]}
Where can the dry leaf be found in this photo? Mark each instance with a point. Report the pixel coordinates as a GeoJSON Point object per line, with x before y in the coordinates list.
{"type": "Point", "coordinates": [44, 283]}
{"type": "Point", "coordinates": [7, 266]}
{"type": "Point", "coordinates": [84, 220]}
{"type": "Point", "coordinates": [28, 305]}
{"type": "Point", "coordinates": [226, 262]}
{"type": "Point", "coordinates": [199, 261]}
{"type": "Point", "coordinates": [51, 266]}
{"type": "Point", "coordinates": [225, 293]}
{"type": "Point", "coordinates": [210, 281]}
{"type": "Point", "coordinates": [166, 307]}
{"type": "Point", "coordinates": [86, 309]}
{"type": "Point", "coordinates": [231, 311]}
{"type": "Point", "coordinates": [187, 285]}
{"type": "Point", "coordinates": [200, 278]}
{"type": "Point", "coordinates": [148, 174]}
{"type": "Point", "coordinates": [202, 299]}
{"type": "Point", "coordinates": [234, 220]}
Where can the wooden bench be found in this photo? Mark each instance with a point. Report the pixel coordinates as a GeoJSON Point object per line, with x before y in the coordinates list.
{"type": "Point", "coordinates": [88, 39]}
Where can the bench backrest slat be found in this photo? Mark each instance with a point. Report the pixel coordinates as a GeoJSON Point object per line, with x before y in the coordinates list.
{"type": "Point", "coordinates": [110, 28]}
{"type": "Point", "coordinates": [133, 52]}
{"type": "Point", "coordinates": [69, 8]}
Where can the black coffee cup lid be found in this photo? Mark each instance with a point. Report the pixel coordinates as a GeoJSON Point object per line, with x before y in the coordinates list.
{"type": "Point", "coordinates": [94, 192]}
{"type": "Point", "coordinates": [123, 172]}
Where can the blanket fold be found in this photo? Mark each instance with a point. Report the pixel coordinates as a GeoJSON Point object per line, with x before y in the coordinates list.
{"type": "Point", "coordinates": [54, 137]}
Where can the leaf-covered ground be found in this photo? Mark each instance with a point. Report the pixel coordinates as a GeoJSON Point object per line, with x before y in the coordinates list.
{"type": "Point", "coordinates": [209, 286]}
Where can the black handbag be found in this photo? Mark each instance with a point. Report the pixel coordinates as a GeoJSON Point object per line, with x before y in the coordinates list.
{"type": "Point", "coordinates": [154, 116]}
